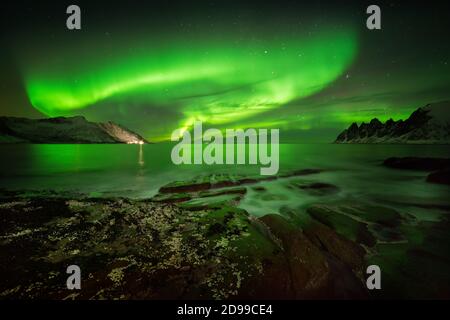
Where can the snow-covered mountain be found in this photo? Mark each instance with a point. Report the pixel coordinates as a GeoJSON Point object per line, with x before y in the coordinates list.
{"type": "Point", "coordinates": [64, 130]}
{"type": "Point", "coordinates": [426, 125]}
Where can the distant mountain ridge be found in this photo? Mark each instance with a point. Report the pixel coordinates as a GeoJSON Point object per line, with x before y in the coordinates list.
{"type": "Point", "coordinates": [426, 125]}
{"type": "Point", "coordinates": [64, 130]}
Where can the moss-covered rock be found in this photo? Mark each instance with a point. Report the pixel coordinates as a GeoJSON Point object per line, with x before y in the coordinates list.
{"type": "Point", "coordinates": [350, 228]}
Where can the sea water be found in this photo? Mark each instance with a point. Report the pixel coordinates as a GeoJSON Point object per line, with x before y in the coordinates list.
{"type": "Point", "coordinates": [138, 171]}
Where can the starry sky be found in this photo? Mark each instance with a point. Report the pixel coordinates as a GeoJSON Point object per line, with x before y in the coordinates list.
{"type": "Point", "coordinates": [309, 70]}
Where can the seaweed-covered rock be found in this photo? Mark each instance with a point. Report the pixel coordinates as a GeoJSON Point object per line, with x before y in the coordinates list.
{"type": "Point", "coordinates": [130, 249]}
{"type": "Point", "coordinates": [350, 228]}
{"type": "Point", "coordinates": [218, 181]}
{"type": "Point", "coordinates": [127, 249]}
{"type": "Point", "coordinates": [361, 223]}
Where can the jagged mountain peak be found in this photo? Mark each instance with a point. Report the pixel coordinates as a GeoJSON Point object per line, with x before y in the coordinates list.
{"type": "Point", "coordinates": [426, 125]}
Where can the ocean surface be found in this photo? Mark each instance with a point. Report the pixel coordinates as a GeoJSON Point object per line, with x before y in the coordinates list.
{"type": "Point", "coordinates": [138, 171]}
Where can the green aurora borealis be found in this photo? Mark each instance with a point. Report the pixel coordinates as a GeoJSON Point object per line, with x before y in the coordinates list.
{"type": "Point", "coordinates": [308, 72]}
{"type": "Point", "coordinates": [214, 83]}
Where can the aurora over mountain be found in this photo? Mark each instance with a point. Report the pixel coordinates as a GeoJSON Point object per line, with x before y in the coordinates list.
{"type": "Point", "coordinates": [201, 151]}
{"type": "Point", "coordinates": [304, 69]}
{"type": "Point", "coordinates": [218, 84]}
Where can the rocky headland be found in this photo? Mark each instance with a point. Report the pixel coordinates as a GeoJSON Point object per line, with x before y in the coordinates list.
{"type": "Point", "coordinates": [64, 130]}
{"type": "Point", "coordinates": [426, 125]}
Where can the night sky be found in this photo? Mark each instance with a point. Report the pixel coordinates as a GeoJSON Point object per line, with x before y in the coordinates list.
{"type": "Point", "coordinates": [309, 70]}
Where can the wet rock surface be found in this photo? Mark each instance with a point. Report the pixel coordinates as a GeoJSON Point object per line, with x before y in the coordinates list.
{"type": "Point", "coordinates": [439, 167]}
{"type": "Point", "coordinates": [314, 267]}
{"type": "Point", "coordinates": [416, 163]}
{"type": "Point", "coordinates": [440, 176]}
{"type": "Point", "coordinates": [217, 181]}
{"type": "Point", "coordinates": [192, 241]}
{"type": "Point", "coordinates": [125, 249]}
{"type": "Point", "coordinates": [333, 218]}
{"type": "Point", "coordinates": [147, 250]}
{"type": "Point", "coordinates": [317, 188]}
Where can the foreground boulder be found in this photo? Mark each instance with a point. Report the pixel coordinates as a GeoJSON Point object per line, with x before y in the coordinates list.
{"type": "Point", "coordinates": [417, 163]}
{"type": "Point", "coordinates": [440, 176]}
{"type": "Point", "coordinates": [318, 271]}
{"type": "Point", "coordinates": [439, 166]}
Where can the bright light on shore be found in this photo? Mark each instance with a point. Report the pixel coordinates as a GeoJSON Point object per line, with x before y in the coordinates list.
{"type": "Point", "coordinates": [135, 142]}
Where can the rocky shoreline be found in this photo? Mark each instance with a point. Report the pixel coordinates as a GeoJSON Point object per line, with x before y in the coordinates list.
{"type": "Point", "coordinates": [192, 241]}
{"type": "Point", "coordinates": [146, 250]}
